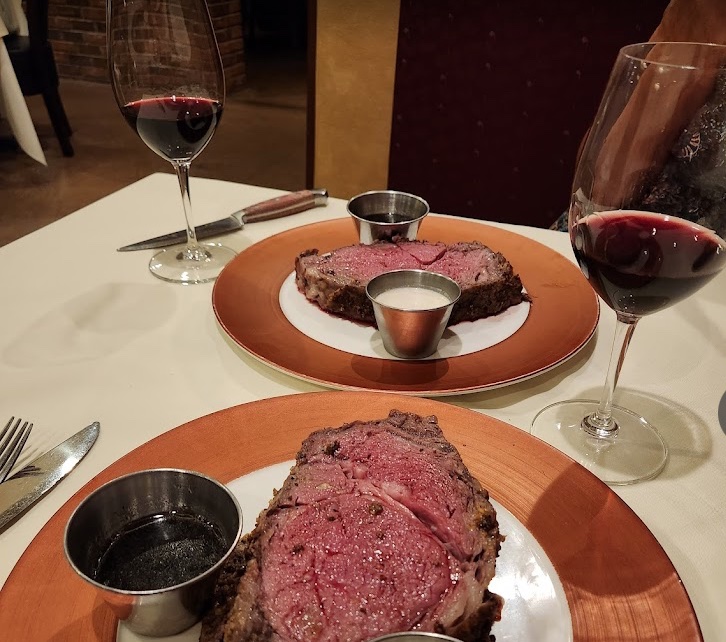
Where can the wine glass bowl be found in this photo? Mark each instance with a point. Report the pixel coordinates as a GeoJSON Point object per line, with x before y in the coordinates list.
{"type": "Point", "coordinates": [168, 82]}
{"type": "Point", "coordinates": [646, 217]}
{"type": "Point", "coordinates": [177, 128]}
{"type": "Point", "coordinates": [640, 262]}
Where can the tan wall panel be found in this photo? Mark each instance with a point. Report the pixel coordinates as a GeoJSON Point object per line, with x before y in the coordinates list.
{"type": "Point", "coordinates": [354, 73]}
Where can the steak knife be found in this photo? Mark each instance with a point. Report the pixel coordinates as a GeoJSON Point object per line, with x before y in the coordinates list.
{"type": "Point", "coordinates": [266, 210]}
{"type": "Point", "coordinates": [27, 486]}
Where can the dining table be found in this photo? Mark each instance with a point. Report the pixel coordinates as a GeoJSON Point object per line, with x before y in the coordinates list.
{"type": "Point", "coordinates": [89, 334]}
{"type": "Point", "coordinates": [13, 106]}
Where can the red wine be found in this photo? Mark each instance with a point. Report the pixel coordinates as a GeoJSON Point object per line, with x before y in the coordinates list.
{"type": "Point", "coordinates": [159, 551]}
{"type": "Point", "coordinates": [642, 262]}
{"type": "Point", "coordinates": [177, 128]}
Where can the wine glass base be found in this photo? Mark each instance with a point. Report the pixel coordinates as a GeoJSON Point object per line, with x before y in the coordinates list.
{"type": "Point", "coordinates": [182, 264]}
{"type": "Point", "coordinates": [635, 454]}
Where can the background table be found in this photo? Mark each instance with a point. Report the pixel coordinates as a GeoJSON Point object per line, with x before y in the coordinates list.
{"type": "Point", "coordinates": [89, 334]}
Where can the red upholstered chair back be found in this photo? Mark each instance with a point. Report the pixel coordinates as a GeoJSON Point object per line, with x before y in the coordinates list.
{"type": "Point", "coordinates": [493, 97]}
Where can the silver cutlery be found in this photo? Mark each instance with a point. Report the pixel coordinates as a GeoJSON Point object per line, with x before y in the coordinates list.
{"type": "Point", "coordinates": [266, 210]}
{"type": "Point", "coordinates": [27, 486]}
{"type": "Point", "coordinates": [12, 440]}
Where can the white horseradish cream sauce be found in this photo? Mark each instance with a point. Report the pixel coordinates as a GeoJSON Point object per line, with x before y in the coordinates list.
{"type": "Point", "coordinates": [412, 298]}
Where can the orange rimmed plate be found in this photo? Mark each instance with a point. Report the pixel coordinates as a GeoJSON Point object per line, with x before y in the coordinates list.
{"type": "Point", "coordinates": [618, 581]}
{"type": "Point", "coordinates": [562, 318]}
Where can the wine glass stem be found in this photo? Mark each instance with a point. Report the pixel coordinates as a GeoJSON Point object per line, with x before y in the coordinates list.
{"type": "Point", "coordinates": [193, 251]}
{"type": "Point", "coordinates": [601, 423]}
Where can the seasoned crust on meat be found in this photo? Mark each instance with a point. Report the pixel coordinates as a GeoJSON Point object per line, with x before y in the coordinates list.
{"type": "Point", "coordinates": [373, 514]}
{"type": "Point", "coordinates": [336, 281]}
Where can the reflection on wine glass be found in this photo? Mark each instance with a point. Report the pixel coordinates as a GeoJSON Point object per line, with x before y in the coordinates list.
{"type": "Point", "coordinates": [168, 82]}
{"type": "Point", "coordinates": [649, 184]}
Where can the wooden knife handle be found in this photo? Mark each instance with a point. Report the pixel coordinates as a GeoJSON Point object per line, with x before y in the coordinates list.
{"type": "Point", "coordinates": [284, 205]}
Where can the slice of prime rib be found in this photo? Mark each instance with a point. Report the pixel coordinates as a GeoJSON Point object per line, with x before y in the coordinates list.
{"type": "Point", "coordinates": [378, 528]}
{"type": "Point", "coordinates": [337, 281]}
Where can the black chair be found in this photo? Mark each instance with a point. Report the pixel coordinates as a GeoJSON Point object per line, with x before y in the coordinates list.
{"type": "Point", "coordinates": [34, 64]}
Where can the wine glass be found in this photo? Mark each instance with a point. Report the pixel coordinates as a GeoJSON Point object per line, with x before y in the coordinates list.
{"type": "Point", "coordinates": [168, 81]}
{"type": "Point", "coordinates": [650, 182]}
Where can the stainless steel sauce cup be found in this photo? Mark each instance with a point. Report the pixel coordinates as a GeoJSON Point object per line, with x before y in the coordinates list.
{"type": "Point", "coordinates": [112, 507]}
{"type": "Point", "coordinates": [412, 333]}
{"type": "Point", "coordinates": [387, 214]}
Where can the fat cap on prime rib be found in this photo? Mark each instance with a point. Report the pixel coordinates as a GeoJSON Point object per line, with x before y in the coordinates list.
{"type": "Point", "coordinates": [337, 281]}
{"type": "Point", "coordinates": [378, 528]}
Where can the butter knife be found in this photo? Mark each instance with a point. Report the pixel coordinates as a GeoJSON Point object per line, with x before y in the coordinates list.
{"type": "Point", "coordinates": [266, 210]}
{"type": "Point", "coordinates": [27, 486]}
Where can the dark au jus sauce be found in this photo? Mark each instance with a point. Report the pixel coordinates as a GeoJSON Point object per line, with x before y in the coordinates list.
{"type": "Point", "coordinates": [386, 217]}
{"type": "Point", "coordinates": [159, 551]}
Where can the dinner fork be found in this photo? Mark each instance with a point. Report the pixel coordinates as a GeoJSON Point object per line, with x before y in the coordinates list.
{"type": "Point", "coordinates": [12, 440]}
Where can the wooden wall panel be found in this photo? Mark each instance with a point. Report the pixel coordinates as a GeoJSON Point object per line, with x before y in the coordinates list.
{"type": "Point", "coordinates": [355, 61]}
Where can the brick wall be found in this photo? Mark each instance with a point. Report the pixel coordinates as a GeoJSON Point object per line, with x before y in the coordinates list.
{"type": "Point", "coordinates": [77, 30]}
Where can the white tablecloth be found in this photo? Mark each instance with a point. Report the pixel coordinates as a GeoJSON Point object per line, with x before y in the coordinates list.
{"type": "Point", "coordinates": [88, 333]}
{"type": "Point", "coordinates": [12, 102]}
{"type": "Point", "coordinates": [13, 17]}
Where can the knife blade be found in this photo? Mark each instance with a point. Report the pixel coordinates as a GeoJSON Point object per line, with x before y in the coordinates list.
{"type": "Point", "coordinates": [27, 486]}
{"type": "Point", "coordinates": [266, 210]}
